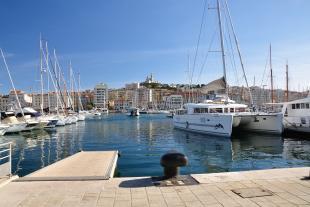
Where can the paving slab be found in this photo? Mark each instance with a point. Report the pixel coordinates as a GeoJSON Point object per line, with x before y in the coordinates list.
{"type": "Point", "coordinates": [290, 188]}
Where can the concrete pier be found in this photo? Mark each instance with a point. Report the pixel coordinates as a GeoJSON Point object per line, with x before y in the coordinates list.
{"type": "Point", "coordinates": [90, 165]}
{"type": "Point", "coordinates": [276, 187]}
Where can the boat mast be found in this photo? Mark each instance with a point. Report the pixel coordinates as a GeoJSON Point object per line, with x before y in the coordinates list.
{"type": "Point", "coordinates": [287, 97]}
{"type": "Point", "coordinates": [271, 76]}
{"type": "Point", "coordinates": [16, 96]}
{"type": "Point", "coordinates": [222, 43]}
{"type": "Point", "coordinates": [71, 87]}
{"type": "Point", "coordinates": [48, 79]}
{"type": "Point", "coordinates": [41, 75]}
{"type": "Point", "coordinates": [239, 53]}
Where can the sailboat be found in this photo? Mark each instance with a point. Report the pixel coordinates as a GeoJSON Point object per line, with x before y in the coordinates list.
{"type": "Point", "coordinates": [9, 118]}
{"type": "Point", "coordinates": [221, 115]}
{"type": "Point", "coordinates": [296, 114]}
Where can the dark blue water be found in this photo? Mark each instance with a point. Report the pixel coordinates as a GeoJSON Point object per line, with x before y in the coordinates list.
{"type": "Point", "coordinates": [143, 140]}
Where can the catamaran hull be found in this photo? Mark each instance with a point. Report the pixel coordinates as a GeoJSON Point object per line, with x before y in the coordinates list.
{"type": "Point", "coordinates": [264, 123]}
{"type": "Point", "coordinates": [212, 124]}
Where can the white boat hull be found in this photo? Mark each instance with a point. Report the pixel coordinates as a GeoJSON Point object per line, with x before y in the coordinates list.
{"type": "Point", "coordinates": [297, 123]}
{"type": "Point", "coordinates": [81, 117]}
{"type": "Point", "coordinates": [213, 124]}
{"type": "Point", "coordinates": [3, 129]}
{"type": "Point", "coordinates": [16, 128]}
{"type": "Point", "coordinates": [260, 122]}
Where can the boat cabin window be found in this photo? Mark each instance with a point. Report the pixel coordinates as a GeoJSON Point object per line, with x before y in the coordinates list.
{"type": "Point", "coordinates": [302, 105]}
{"type": "Point", "coordinates": [200, 110]}
{"type": "Point", "coordinates": [240, 110]}
{"type": "Point", "coordinates": [232, 110]}
{"type": "Point", "coordinates": [212, 110]}
{"type": "Point", "coordinates": [225, 110]}
{"type": "Point", "coordinates": [298, 106]}
{"type": "Point", "coordinates": [180, 112]}
{"type": "Point", "coordinates": [307, 105]}
{"type": "Point", "coordinates": [293, 106]}
{"type": "Point", "coordinates": [219, 110]}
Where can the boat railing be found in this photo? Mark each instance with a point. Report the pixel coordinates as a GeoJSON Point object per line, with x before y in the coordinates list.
{"type": "Point", "coordinates": [6, 159]}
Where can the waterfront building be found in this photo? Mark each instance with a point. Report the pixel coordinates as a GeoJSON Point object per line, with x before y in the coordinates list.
{"type": "Point", "coordinates": [101, 96]}
{"type": "Point", "coordinates": [4, 101]}
{"type": "Point", "coordinates": [173, 102]}
{"type": "Point", "coordinates": [24, 99]}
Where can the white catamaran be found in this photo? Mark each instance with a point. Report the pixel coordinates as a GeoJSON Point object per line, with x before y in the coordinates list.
{"type": "Point", "coordinates": [222, 116]}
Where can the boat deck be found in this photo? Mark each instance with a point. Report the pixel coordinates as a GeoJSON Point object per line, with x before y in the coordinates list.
{"type": "Point", "coordinates": [90, 165]}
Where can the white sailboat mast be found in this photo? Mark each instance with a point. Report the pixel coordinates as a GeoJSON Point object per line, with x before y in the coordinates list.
{"type": "Point", "coordinates": [41, 76]}
{"type": "Point", "coordinates": [239, 53]}
{"type": "Point", "coordinates": [221, 40]}
{"type": "Point", "coordinates": [48, 79]}
{"type": "Point", "coordinates": [16, 96]}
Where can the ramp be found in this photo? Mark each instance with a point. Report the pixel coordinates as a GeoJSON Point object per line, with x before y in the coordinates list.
{"type": "Point", "coordinates": [85, 165]}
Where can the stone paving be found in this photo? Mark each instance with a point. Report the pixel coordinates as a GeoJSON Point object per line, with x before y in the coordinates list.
{"type": "Point", "coordinates": [289, 187]}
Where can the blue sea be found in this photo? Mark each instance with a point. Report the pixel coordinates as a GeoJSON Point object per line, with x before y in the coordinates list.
{"type": "Point", "coordinates": [142, 141]}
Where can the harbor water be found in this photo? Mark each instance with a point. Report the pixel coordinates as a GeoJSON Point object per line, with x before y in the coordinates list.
{"type": "Point", "coordinates": [142, 140]}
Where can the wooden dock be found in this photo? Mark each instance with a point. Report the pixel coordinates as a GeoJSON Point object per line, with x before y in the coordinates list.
{"type": "Point", "coordinates": [85, 165]}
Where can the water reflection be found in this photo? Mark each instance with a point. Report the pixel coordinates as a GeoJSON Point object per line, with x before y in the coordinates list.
{"type": "Point", "coordinates": [142, 141]}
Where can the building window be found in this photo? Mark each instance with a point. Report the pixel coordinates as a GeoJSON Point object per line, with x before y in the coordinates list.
{"type": "Point", "coordinates": [231, 110]}
{"type": "Point", "coordinates": [307, 105]}
{"type": "Point", "coordinates": [293, 106]}
{"type": "Point", "coordinates": [298, 106]}
{"type": "Point", "coordinates": [219, 110]}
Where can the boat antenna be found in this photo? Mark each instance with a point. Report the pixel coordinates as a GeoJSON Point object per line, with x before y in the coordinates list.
{"type": "Point", "coordinates": [239, 53]}
{"type": "Point", "coordinates": [15, 92]}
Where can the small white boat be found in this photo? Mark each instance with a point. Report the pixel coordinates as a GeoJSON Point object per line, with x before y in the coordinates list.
{"type": "Point", "coordinates": [81, 117]}
{"type": "Point", "coordinates": [73, 118]}
{"type": "Point", "coordinates": [15, 126]}
{"type": "Point", "coordinates": [96, 113]}
{"type": "Point", "coordinates": [61, 121]}
{"type": "Point", "coordinates": [133, 112]}
{"type": "Point", "coordinates": [68, 120]}
{"type": "Point", "coordinates": [296, 115]}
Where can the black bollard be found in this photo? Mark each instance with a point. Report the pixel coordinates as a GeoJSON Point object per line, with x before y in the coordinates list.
{"type": "Point", "coordinates": [171, 163]}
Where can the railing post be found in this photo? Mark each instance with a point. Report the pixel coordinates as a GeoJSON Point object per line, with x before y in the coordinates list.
{"type": "Point", "coordinates": [10, 153]}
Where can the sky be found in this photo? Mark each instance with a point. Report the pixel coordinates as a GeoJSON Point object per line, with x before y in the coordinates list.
{"type": "Point", "coordinates": [121, 41]}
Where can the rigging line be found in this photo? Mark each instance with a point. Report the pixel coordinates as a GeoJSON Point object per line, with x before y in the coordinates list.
{"type": "Point", "coordinates": [239, 53]}
{"type": "Point", "coordinates": [198, 41]}
{"type": "Point", "coordinates": [266, 64]}
{"type": "Point", "coordinates": [207, 55]}
{"type": "Point", "coordinates": [232, 57]}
